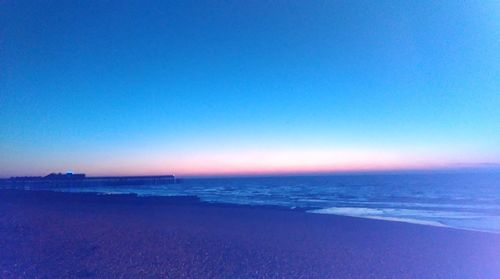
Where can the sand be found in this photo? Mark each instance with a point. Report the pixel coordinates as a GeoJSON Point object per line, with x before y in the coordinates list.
{"type": "Point", "coordinates": [67, 235]}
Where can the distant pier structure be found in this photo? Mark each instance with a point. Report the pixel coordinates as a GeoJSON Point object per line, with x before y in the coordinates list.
{"type": "Point", "coordinates": [81, 180]}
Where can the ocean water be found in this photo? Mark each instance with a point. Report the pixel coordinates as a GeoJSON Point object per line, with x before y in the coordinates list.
{"type": "Point", "coordinates": [458, 200]}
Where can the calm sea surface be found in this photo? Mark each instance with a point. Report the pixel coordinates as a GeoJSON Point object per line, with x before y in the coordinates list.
{"type": "Point", "coordinates": [458, 200]}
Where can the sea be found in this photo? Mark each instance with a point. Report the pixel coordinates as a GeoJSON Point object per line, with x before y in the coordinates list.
{"type": "Point", "coordinates": [461, 200]}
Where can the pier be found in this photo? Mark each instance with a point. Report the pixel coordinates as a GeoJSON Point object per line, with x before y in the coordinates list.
{"type": "Point", "coordinates": [81, 180]}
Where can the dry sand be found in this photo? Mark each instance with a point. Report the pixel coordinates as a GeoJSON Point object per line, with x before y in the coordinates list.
{"type": "Point", "coordinates": [64, 235]}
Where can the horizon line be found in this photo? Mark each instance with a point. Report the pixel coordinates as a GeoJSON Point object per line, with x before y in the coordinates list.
{"type": "Point", "coordinates": [488, 167]}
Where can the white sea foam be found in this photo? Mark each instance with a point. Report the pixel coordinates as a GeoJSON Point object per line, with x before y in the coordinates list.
{"type": "Point", "coordinates": [374, 213]}
{"type": "Point", "coordinates": [423, 217]}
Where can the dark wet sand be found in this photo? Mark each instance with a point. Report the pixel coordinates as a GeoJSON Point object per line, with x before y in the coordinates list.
{"type": "Point", "coordinates": [62, 235]}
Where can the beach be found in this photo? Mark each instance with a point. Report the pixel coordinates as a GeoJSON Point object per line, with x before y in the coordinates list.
{"type": "Point", "coordinates": [47, 234]}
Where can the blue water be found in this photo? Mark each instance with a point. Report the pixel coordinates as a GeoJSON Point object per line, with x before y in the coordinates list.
{"type": "Point", "coordinates": [458, 200]}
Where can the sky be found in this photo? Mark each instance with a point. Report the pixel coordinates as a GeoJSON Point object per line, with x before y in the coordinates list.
{"type": "Point", "coordinates": [248, 87]}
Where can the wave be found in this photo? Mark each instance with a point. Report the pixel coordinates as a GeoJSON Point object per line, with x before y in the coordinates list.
{"type": "Point", "coordinates": [450, 201]}
{"type": "Point", "coordinates": [450, 219]}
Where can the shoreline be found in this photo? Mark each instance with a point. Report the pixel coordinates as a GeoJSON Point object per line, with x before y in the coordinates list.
{"type": "Point", "coordinates": [180, 199]}
{"type": "Point", "coordinates": [60, 234]}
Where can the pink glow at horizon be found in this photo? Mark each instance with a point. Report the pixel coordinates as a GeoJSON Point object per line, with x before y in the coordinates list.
{"type": "Point", "coordinates": [260, 161]}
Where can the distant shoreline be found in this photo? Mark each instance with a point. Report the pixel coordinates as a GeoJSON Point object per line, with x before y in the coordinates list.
{"type": "Point", "coordinates": [482, 168]}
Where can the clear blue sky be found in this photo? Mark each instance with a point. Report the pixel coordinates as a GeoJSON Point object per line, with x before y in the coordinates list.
{"type": "Point", "coordinates": [212, 87]}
